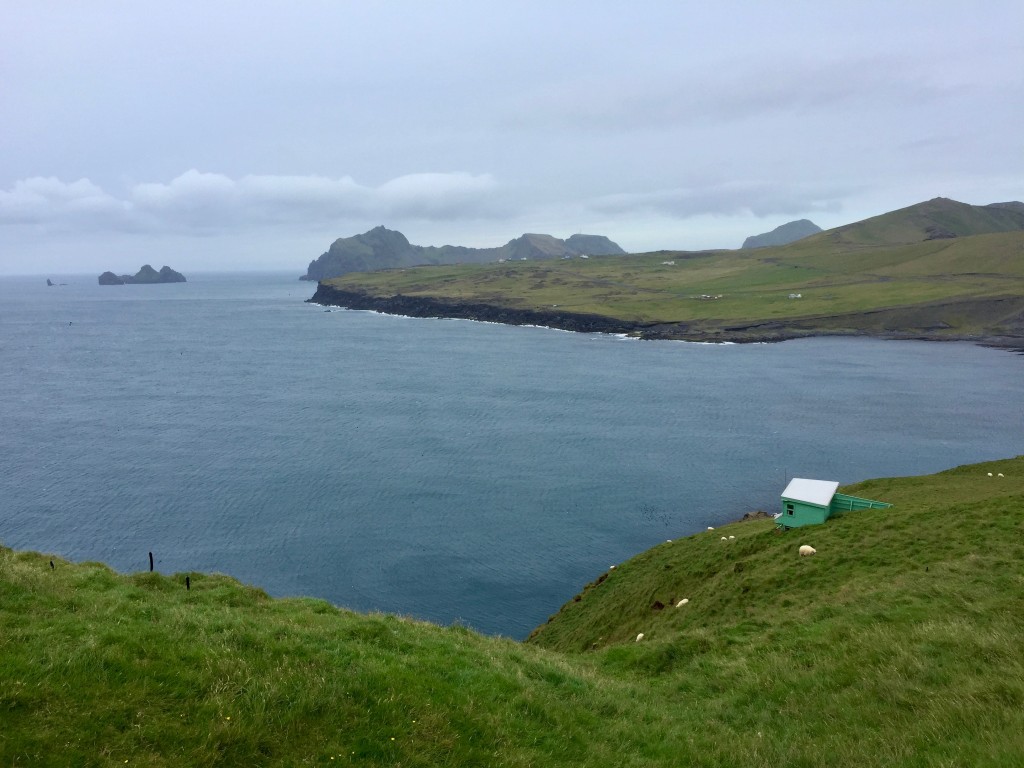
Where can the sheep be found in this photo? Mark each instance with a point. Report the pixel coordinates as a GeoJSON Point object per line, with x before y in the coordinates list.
{"type": "Point", "coordinates": [1001, 474]}
{"type": "Point", "coordinates": [611, 568]}
{"type": "Point", "coordinates": [806, 550]}
{"type": "Point", "coordinates": [682, 602]}
{"type": "Point", "coordinates": [640, 637]}
{"type": "Point", "coordinates": [990, 474]}
{"type": "Point", "coordinates": [724, 539]}
{"type": "Point", "coordinates": [732, 537]}
{"type": "Point", "coordinates": [710, 528]}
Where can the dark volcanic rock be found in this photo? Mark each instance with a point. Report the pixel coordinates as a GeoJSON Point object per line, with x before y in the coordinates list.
{"type": "Point", "coordinates": [787, 233]}
{"type": "Point", "coordinates": [935, 232]}
{"type": "Point", "coordinates": [418, 306]}
{"type": "Point", "coordinates": [109, 278]}
{"type": "Point", "coordinates": [145, 276]}
{"type": "Point", "coordinates": [168, 275]}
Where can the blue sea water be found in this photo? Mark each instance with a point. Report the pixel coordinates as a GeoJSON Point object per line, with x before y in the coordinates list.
{"type": "Point", "coordinates": [444, 469]}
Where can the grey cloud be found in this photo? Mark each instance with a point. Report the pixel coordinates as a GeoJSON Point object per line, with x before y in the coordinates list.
{"type": "Point", "coordinates": [757, 198]}
{"type": "Point", "coordinates": [734, 92]}
{"type": "Point", "coordinates": [39, 199]}
{"type": "Point", "coordinates": [205, 203]}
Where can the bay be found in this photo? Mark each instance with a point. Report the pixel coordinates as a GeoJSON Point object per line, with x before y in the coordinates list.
{"type": "Point", "coordinates": [443, 469]}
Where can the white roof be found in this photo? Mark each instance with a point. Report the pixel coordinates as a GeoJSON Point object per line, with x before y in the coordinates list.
{"type": "Point", "coordinates": [819, 492]}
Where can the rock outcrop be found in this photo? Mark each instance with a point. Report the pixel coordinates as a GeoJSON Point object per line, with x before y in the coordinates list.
{"type": "Point", "coordinates": [145, 276]}
{"type": "Point", "coordinates": [383, 248]}
{"type": "Point", "coordinates": [782, 235]}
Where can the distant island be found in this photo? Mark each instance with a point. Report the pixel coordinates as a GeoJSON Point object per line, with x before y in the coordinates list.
{"type": "Point", "coordinates": [383, 248]}
{"type": "Point", "coordinates": [145, 276]}
{"type": "Point", "coordinates": [783, 235]}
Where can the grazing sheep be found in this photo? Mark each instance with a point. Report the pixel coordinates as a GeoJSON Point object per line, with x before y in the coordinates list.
{"type": "Point", "coordinates": [682, 602]}
{"type": "Point", "coordinates": [724, 539]}
{"type": "Point", "coordinates": [611, 568]}
{"type": "Point", "coordinates": [710, 528]}
{"type": "Point", "coordinates": [990, 474]}
{"type": "Point", "coordinates": [1001, 474]}
{"type": "Point", "coordinates": [640, 637]}
{"type": "Point", "coordinates": [732, 537]}
{"type": "Point", "coordinates": [807, 550]}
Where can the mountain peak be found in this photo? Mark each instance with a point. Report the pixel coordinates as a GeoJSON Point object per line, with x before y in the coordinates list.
{"type": "Point", "coordinates": [383, 248]}
{"type": "Point", "coordinates": [784, 234]}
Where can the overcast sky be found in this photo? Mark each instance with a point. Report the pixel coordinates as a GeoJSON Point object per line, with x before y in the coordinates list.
{"type": "Point", "coordinates": [223, 135]}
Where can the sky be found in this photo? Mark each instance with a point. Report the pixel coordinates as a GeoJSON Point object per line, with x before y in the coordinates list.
{"type": "Point", "coordinates": [222, 136]}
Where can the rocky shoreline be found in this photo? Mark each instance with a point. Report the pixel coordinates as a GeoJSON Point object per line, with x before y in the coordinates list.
{"type": "Point", "coordinates": [762, 332]}
{"type": "Point", "coordinates": [420, 306]}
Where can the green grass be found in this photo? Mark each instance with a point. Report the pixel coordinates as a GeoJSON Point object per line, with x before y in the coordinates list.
{"type": "Point", "coordinates": [899, 643]}
{"type": "Point", "coordinates": [947, 286]}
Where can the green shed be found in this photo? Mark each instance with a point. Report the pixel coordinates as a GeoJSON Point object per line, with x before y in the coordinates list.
{"type": "Point", "coordinates": [812, 502]}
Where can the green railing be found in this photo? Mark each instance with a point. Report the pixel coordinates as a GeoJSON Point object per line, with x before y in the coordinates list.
{"type": "Point", "coordinates": [843, 503]}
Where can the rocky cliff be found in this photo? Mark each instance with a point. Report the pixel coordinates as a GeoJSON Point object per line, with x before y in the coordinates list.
{"type": "Point", "coordinates": [383, 248]}
{"type": "Point", "coordinates": [782, 235]}
{"type": "Point", "coordinates": [145, 276]}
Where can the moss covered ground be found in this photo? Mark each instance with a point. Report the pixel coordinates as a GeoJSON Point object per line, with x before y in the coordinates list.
{"type": "Point", "coordinates": [901, 642]}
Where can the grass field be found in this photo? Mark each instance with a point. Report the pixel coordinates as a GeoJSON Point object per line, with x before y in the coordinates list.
{"type": "Point", "coordinates": [899, 643]}
{"type": "Point", "coordinates": [939, 288]}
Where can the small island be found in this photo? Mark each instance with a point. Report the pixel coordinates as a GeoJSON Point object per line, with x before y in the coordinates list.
{"type": "Point", "coordinates": [145, 276]}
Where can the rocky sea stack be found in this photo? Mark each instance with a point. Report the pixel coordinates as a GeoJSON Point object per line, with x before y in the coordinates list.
{"type": "Point", "coordinates": [145, 276]}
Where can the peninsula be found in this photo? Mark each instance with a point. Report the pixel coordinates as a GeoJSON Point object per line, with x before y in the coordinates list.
{"type": "Point", "coordinates": [938, 270]}
{"type": "Point", "coordinates": [145, 276]}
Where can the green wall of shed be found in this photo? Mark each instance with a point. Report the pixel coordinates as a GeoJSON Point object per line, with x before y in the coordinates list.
{"type": "Point", "coordinates": [803, 514]}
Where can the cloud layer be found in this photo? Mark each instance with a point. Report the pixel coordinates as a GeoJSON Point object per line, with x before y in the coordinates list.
{"type": "Point", "coordinates": [209, 203]}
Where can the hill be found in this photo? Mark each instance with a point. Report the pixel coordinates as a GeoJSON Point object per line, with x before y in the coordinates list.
{"type": "Point", "coordinates": [383, 248]}
{"type": "Point", "coordinates": [935, 219]}
{"type": "Point", "coordinates": [888, 276]}
{"type": "Point", "coordinates": [784, 234]}
{"type": "Point", "coordinates": [897, 644]}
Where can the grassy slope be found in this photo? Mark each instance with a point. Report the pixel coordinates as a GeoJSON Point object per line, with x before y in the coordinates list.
{"type": "Point", "coordinates": [841, 275]}
{"type": "Point", "coordinates": [899, 643]}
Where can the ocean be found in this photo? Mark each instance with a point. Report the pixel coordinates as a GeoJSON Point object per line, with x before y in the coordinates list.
{"type": "Point", "coordinates": [443, 469]}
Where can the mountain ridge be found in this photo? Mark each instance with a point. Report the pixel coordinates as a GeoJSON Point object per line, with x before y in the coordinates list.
{"type": "Point", "coordinates": [383, 248]}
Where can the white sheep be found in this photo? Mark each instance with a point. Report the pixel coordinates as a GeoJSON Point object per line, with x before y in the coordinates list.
{"type": "Point", "coordinates": [682, 602]}
{"type": "Point", "coordinates": [710, 528]}
{"type": "Point", "coordinates": [806, 550]}
{"type": "Point", "coordinates": [732, 537]}
{"type": "Point", "coordinates": [640, 637]}
{"type": "Point", "coordinates": [1001, 474]}
{"type": "Point", "coordinates": [724, 539]}
{"type": "Point", "coordinates": [990, 474]}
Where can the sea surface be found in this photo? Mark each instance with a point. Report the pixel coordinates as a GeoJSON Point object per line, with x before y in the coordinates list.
{"type": "Point", "coordinates": [444, 469]}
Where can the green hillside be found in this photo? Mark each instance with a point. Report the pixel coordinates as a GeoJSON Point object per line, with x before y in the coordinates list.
{"type": "Point", "coordinates": [899, 643]}
{"type": "Point", "coordinates": [940, 218]}
{"type": "Point", "coordinates": [882, 276]}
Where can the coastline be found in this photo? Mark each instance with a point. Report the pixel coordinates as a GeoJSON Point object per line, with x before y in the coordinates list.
{"type": "Point", "coordinates": [767, 331]}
